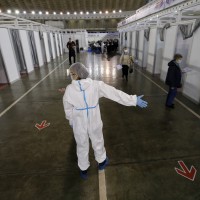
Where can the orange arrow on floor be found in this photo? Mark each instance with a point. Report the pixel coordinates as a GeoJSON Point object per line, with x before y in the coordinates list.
{"type": "Point", "coordinates": [42, 125]}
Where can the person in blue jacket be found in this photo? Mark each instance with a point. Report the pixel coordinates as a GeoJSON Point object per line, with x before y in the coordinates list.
{"type": "Point", "coordinates": [173, 79]}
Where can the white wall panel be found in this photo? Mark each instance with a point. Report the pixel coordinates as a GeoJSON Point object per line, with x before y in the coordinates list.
{"type": "Point", "coordinates": [38, 47]}
{"type": "Point", "coordinates": [8, 55]}
{"type": "Point", "coordinates": [46, 44]}
{"type": "Point", "coordinates": [26, 50]}
{"type": "Point", "coordinates": [169, 49]}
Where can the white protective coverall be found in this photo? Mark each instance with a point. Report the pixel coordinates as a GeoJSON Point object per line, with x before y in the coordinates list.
{"type": "Point", "coordinates": [81, 104]}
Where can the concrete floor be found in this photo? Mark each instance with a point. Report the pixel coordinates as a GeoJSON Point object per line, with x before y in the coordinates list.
{"type": "Point", "coordinates": [144, 145]}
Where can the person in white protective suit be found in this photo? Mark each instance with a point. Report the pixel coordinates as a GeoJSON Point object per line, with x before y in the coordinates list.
{"type": "Point", "coordinates": [81, 105]}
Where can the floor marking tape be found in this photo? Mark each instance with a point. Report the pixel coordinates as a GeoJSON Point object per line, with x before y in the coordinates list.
{"type": "Point", "coordinates": [102, 185]}
{"type": "Point", "coordinates": [15, 102]}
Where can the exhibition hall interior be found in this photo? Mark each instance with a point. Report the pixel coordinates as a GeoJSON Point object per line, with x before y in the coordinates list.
{"type": "Point", "coordinates": [99, 100]}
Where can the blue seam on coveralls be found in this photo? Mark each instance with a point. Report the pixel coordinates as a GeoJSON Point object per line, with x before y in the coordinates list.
{"type": "Point", "coordinates": [87, 108]}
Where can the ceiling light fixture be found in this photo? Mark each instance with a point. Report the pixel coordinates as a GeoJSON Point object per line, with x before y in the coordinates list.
{"type": "Point", "coordinates": [9, 11]}
{"type": "Point", "coordinates": [120, 10]}
{"type": "Point", "coordinates": [75, 13]}
{"type": "Point", "coordinates": [87, 13]}
{"type": "Point", "coordinates": [33, 12]}
{"type": "Point", "coordinates": [81, 12]}
{"type": "Point", "coordinates": [94, 12]}
{"type": "Point", "coordinates": [106, 12]}
{"type": "Point", "coordinates": [114, 11]}
{"type": "Point", "coordinates": [68, 13]}
{"type": "Point", "coordinates": [100, 12]}
{"type": "Point", "coordinates": [47, 12]}
{"type": "Point", "coordinates": [54, 13]}
{"type": "Point", "coordinates": [61, 13]}
{"type": "Point", "coordinates": [17, 12]}
{"type": "Point", "coordinates": [24, 12]}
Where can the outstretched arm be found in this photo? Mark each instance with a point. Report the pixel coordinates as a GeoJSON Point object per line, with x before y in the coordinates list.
{"type": "Point", "coordinates": [118, 96]}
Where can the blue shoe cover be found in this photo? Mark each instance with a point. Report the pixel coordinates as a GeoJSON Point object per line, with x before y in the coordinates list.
{"type": "Point", "coordinates": [84, 174]}
{"type": "Point", "coordinates": [103, 165]}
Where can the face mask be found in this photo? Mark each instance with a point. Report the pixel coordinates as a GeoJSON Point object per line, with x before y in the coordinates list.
{"type": "Point", "coordinates": [179, 61]}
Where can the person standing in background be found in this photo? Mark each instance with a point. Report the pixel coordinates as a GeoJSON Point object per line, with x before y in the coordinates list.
{"type": "Point", "coordinates": [173, 79]}
{"type": "Point", "coordinates": [126, 61]}
{"type": "Point", "coordinates": [71, 47]}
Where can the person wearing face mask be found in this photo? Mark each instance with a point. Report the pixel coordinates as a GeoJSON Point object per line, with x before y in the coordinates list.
{"type": "Point", "coordinates": [126, 61]}
{"type": "Point", "coordinates": [81, 106]}
{"type": "Point", "coordinates": [173, 79]}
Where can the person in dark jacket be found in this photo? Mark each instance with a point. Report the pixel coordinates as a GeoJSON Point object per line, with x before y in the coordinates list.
{"type": "Point", "coordinates": [173, 79]}
{"type": "Point", "coordinates": [71, 46]}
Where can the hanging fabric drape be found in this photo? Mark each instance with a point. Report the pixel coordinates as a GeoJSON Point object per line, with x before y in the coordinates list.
{"type": "Point", "coordinates": [162, 31]}
{"type": "Point", "coordinates": [147, 33]}
{"type": "Point", "coordinates": [187, 31]}
{"type": "Point", "coordinates": [33, 48]}
{"type": "Point", "coordinates": [18, 50]}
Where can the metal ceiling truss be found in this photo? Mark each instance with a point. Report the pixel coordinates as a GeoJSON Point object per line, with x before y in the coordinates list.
{"type": "Point", "coordinates": [9, 21]}
{"type": "Point", "coordinates": [77, 16]}
{"type": "Point", "coordinates": [173, 15]}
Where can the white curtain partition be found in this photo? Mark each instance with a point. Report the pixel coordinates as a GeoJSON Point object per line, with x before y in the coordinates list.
{"type": "Point", "coordinates": [140, 47]}
{"type": "Point", "coordinates": [120, 41]}
{"type": "Point", "coordinates": [38, 48]}
{"type": "Point", "coordinates": [46, 44]}
{"type": "Point", "coordinates": [124, 41]}
{"type": "Point", "coordinates": [26, 49]}
{"type": "Point", "coordinates": [158, 54]}
{"type": "Point", "coordinates": [169, 50]}
{"type": "Point", "coordinates": [3, 73]}
{"type": "Point", "coordinates": [9, 58]}
{"type": "Point", "coordinates": [57, 48]}
{"type": "Point", "coordinates": [53, 45]}
{"type": "Point", "coordinates": [128, 40]}
{"type": "Point", "coordinates": [61, 46]}
{"type": "Point", "coordinates": [152, 50]}
{"type": "Point", "coordinates": [133, 47]}
{"type": "Point", "coordinates": [191, 87]}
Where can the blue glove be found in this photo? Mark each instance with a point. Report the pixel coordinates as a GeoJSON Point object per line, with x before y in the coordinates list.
{"type": "Point", "coordinates": [141, 103]}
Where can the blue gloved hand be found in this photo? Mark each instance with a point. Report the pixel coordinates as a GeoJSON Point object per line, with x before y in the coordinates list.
{"type": "Point", "coordinates": [141, 103]}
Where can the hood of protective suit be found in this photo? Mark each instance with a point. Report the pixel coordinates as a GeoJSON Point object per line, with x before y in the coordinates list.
{"type": "Point", "coordinates": [85, 83]}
